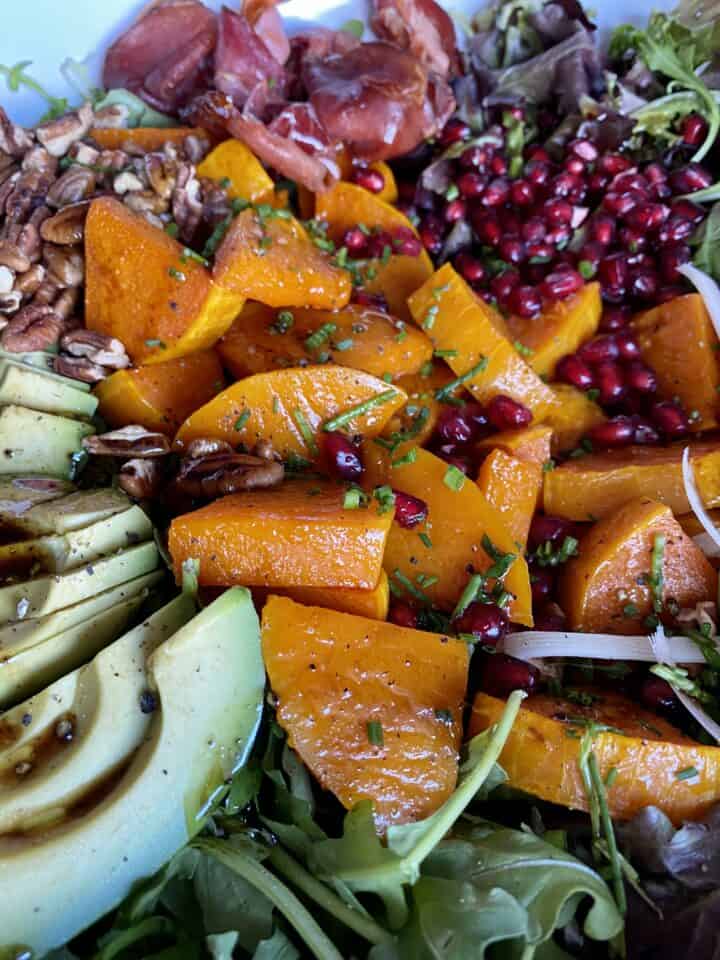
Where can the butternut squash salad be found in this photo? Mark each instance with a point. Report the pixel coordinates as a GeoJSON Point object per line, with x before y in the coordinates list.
{"type": "Point", "coordinates": [359, 491]}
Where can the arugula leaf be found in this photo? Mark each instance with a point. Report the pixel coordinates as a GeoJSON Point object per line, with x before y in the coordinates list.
{"type": "Point", "coordinates": [707, 244]}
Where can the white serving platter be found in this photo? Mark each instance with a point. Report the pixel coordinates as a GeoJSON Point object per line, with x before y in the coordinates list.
{"type": "Point", "coordinates": [47, 32]}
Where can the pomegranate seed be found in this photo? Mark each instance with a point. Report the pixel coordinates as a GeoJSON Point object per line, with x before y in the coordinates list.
{"type": "Point", "coordinates": [463, 464]}
{"type": "Point", "coordinates": [614, 318]}
{"type": "Point", "coordinates": [676, 228]}
{"type": "Point", "coordinates": [469, 267]}
{"type": "Point", "coordinates": [498, 165]}
{"type": "Point", "coordinates": [344, 458]}
{"type": "Point", "coordinates": [496, 193]}
{"type": "Point", "coordinates": [504, 283]}
{"type": "Point", "coordinates": [409, 510]}
{"type": "Point", "coordinates": [504, 413]}
{"type": "Point", "coordinates": [631, 180]}
{"type": "Point", "coordinates": [610, 383]}
{"type": "Point", "coordinates": [643, 284]}
{"type": "Point", "coordinates": [369, 179]}
{"type": "Point", "coordinates": [685, 209]}
{"type": "Point", "coordinates": [557, 211]}
{"type": "Point", "coordinates": [647, 217]}
{"type": "Point", "coordinates": [474, 157]}
{"type": "Point", "coordinates": [455, 210]}
{"type": "Point", "coordinates": [590, 253]}
{"type": "Point", "coordinates": [657, 694]}
{"type": "Point", "coordinates": [632, 240]}
{"type": "Point", "coordinates": [455, 426]}
{"type": "Point", "coordinates": [487, 227]}
{"type": "Point", "coordinates": [525, 301]}
{"type": "Point", "coordinates": [542, 583]}
{"type": "Point", "coordinates": [690, 178]}
{"type": "Point", "coordinates": [403, 614]}
{"type": "Point", "coordinates": [613, 272]}
{"type": "Point", "coordinates": [561, 284]}
{"type": "Point", "coordinates": [598, 182]}
{"type": "Point", "coordinates": [620, 204]}
{"type": "Point", "coordinates": [431, 237]}
{"type": "Point", "coordinates": [562, 184]}
{"type": "Point", "coordinates": [533, 230]}
{"type": "Point", "coordinates": [598, 350]}
{"type": "Point", "coordinates": [375, 300]}
{"type": "Point", "coordinates": [535, 153]}
{"type": "Point", "coordinates": [585, 149]}
{"type": "Point", "coordinates": [558, 236]}
{"type": "Point", "coordinates": [547, 528]}
{"type": "Point", "coordinates": [484, 621]}
{"type": "Point", "coordinates": [454, 131]}
{"type": "Point", "coordinates": [669, 418]}
{"type": "Point", "coordinates": [641, 260]}
{"type": "Point", "coordinates": [471, 184]}
{"type": "Point", "coordinates": [405, 243]}
{"type": "Point", "coordinates": [616, 432]}
{"type": "Point", "coordinates": [655, 173]}
{"type": "Point", "coordinates": [645, 433]}
{"type": "Point", "coordinates": [574, 165]}
{"type": "Point", "coordinates": [539, 253]}
{"type": "Point", "coordinates": [627, 346]}
{"type": "Point", "coordinates": [601, 229]}
{"type": "Point", "coordinates": [355, 241]}
{"type": "Point", "coordinates": [571, 369]}
{"type": "Point", "coordinates": [511, 250]}
{"type": "Point", "coordinates": [613, 163]}
{"type": "Point", "coordinates": [501, 674]}
{"type": "Point", "coordinates": [693, 129]}
{"type": "Point", "coordinates": [510, 222]}
{"type": "Point", "coordinates": [672, 257]}
{"type": "Point", "coordinates": [550, 617]}
{"type": "Point", "coordinates": [522, 193]}
{"type": "Point", "coordinates": [538, 173]}
{"type": "Point", "coordinates": [378, 243]}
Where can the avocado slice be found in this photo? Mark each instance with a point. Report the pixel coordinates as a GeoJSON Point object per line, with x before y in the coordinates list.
{"type": "Point", "coordinates": [46, 392]}
{"type": "Point", "coordinates": [61, 552]}
{"type": "Point", "coordinates": [42, 778]}
{"type": "Point", "coordinates": [71, 512]}
{"type": "Point", "coordinates": [28, 669]}
{"type": "Point", "coordinates": [41, 360]}
{"type": "Point", "coordinates": [45, 594]}
{"type": "Point", "coordinates": [18, 494]}
{"type": "Point", "coordinates": [209, 679]}
{"type": "Point", "coordinates": [38, 442]}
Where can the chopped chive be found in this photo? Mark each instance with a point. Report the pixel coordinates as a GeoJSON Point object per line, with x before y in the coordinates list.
{"type": "Point", "coordinates": [352, 498]}
{"type": "Point", "coordinates": [410, 587]}
{"type": "Point", "coordinates": [176, 274]}
{"type": "Point", "coordinates": [501, 562]}
{"type": "Point", "coordinates": [276, 405]}
{"type": "Point", "coordinates": [342, 345]}
{"type": "Point", "coordinates": [402, 335]}
{"type": "Point", "coordinates": [586, 269]}
{"type": "Point", "coordinates": [284, 320]}
{"type": "Point", "coordinates": [630, 610]}
{"type": "Point", "coordinates": [522, 349]}
{"type": "Point", "coordinates": [444, 392]}
{"type": "Point", "coordinates": [375, 733]}
{"type": "Point", "coordinates": [342, 419]}
{"type": "Point", "coordinates": [242, 420]}
{"type": "Point", "coordinates": [386, 254]}
{"type": "Point", "coordinates": [686, 774]}
{"type": "Point", "coordinates": [454, 478]}
{"type": "Point", "coordinates": [155, 344]}
{"type": "Point", "coordinates": [592, 394]}
{"type": "Point", "coordinates": [306, 431]}
{"type": "Point", "coordinates": [385, 498]}
{"type": "Point", "coordinates": [444, 716]}
{"type": "Point", "coordinates": [426, 541]}
{"type": "Point", "coordinates": [611, 776]}
{"type": "Point", "coordinates": [409, 457]}
{"type": "Point", "coordinates": [189, 254]}
{"type": "Point", "coordinates": [426, 580]}
{"type": "Point", "coordinates": [215, 238]}
{"type": "Point", "coordinates": [657, 579]}
{"type": "Point", "coordinates": [224, 182]}
{"type": "Point", "coordinates": [426, 369]}
{"type": "Point", "coordinates": [452, 192]}
{"type": "Point", "coordinates": [548, 466]}
{"type": "Point", "coordinates": [172, 229]}
{"type": "Point", "coordinates": [387, 377]}
{"type": "Point", "coordinates": [442, 354]}
{"type": "Point", "coordinates": [429, 320]}
{"type": "Point", "coordinates": [472, 588]}
{"type": "Point", "coordinates": [320, 336]}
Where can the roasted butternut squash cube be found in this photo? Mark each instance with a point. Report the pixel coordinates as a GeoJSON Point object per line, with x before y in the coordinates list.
{"type": "Point", "coordinates": [296, 535]}
{"type": "Point", "coordinates": [141, 288]}
{"type": "Point", "coordinates": [238, 167]}
{"type": "Point", "coordinates": [531, 444]}
{"type": "Point", "coordinates": [469, 329]}
{"type": "Point", "coordinates": [512, 486]}
{"type": "Point", "coordinates": [541, 754]}
{"type": "Point", "coordinates": [573, 416]}
{"type": "Point", "coordinates": [268, 256]}
{"type": "Point", "coordinates": [363, 603]}
{"type": "Point", "coordinates": [458, 518]}
{"type": "Point", "coordinates": [357, 336]}
{"type": "Point", "coordinates": [595, 485]}
{"type": "Point", "coordinates": [289, 408]}
{"type": "Point", "coordinates": [374, 710]}
{"type": "Point", "coordinates": [611, 586]}
{"type": "Point", "coordinates": [161, 395]}
{"type": "Point", "coordinates": [678, 341]}
{"type": "Point", "coordinates": [560, 329]}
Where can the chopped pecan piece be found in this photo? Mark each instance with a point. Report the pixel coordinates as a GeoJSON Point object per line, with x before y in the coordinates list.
{"type": "Point", "coordinates": [77, 183]}
{"type": "Point", "coordinates": [11, 256]}
{"type": "Point", "coordinates": [66, 265]}
{"type": "Point", "coordinates": [28, 283]}
{"type": "Point", "coordinates": [96, 347]}
{"type": "Point", "coordinates": [79, 368]}
{"type": "Point", "coordinates": [67, 226]}
{"type": "Point", "coordinates": [113, 116]}
{"type": "Point", "coordinates": [141, 479]}
{"type": "Point", "coordinates": [220, 474]}
{"type": "Point", "coordinates": [206, 447]}
{"type": "Point", "coordinates": [59, 135]}
{"type": "Point", "coordinates": [36, 327]}
{"type": "Point", "coordinates": [132, 441]}
{"type": "Point", "coordinates": [13, 139]}
{"type": "Point", "coordinates": [39, 160]}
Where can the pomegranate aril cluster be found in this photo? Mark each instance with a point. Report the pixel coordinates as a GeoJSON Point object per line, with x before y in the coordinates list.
{"type": "Point", "coordinates": [460, 427]}
{"type": "Point", "coordinates": [526, 251]}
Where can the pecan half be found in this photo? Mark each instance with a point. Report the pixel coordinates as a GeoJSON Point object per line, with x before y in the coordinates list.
{"type": "Point", "coordinates": [131, 441]}
{"type": "Point", "coordinates": [112, 116]}
{"type": "Point", "coordinates": [66, 265]}
{"type": "Point", "coordinates": [146, 202]}
{"type": "Point", "coordinates": [141, 479]}
{"type": "Point", "coordinates": [206, 447]}
{"type": "Point", "coordinates": [29, 191]}
{"type": "Point", "coordinates": [127, 182]}
{"type": "Point", "coordinates": [11, 256]}
{"type": "Point", "coordinates": [161, 174]}
{"type": "Point", "coordinates": [219, 474]}
{"type": "Point", "coordinates": [13, 139]}
{"type": "Point", "coordinates": [79, 368]}
{"type": "Point", "coordinates": [64, 305]}
{"type": "Point", "coordinates": [84, 153]}
{"type": "Point", "coordinates": [187, 207]}
{"type": "Point", "coordinates": [58, 135]}
{"type": "Point", "coordinates": [77, 183]}
{"type": "Point", "coordinates": [39, 160]}
{"type": "Point", "coordinates": [67, 226]}
{"type": "Point", "coordinates": [35, 327]}
{"type": "Point", "coordinates": [28, 283]}
{"type": "Point", "coordinates": [96, 347]}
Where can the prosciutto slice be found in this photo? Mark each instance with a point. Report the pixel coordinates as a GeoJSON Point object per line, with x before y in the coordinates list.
{"type": "Point", "coordinates": [421, 27]}
{"type": "Point", "coordinates": [242, 59]}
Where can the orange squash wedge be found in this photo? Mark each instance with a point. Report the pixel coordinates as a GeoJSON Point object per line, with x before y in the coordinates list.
{"type": "Point", "coordinates": [512, 486]}
{"type": "Point", "coordinates": [374, 710]}
{"type": "Point", "coordinates": [572, 417]}
{"type": "Point", "coordinates": [239, 169]}
{"type": "Point", "coordinates": [363, 603]}
{"type": "Point", "coordinates": [531, 444]}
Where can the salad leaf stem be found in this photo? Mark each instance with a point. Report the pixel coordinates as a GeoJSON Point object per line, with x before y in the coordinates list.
{"type": "Point", "coordinates": [607, 826]}
{"type": "Point", "coordinates": [279, 895]}
{"type": "Point", "coordinates": [301, 878]}
{"type": "Point", "coordinates": [16, 77]}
